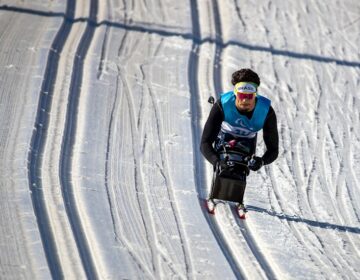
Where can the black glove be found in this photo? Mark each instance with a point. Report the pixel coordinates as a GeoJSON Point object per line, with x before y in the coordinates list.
{"type": "Point", "coordinates": [256, 163]}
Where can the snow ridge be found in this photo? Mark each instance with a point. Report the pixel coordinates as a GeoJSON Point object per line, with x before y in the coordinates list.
{"type": "Point", "coordinates": [68, 143]}
{"type": "Point", "coordinates": [224, 217]}
{"type": "Point", "coordinates": [201, 182]}
{"type": "Point", "coordinates": [38, 141]}
{"type": "Point", "coordinates": [113, 184]}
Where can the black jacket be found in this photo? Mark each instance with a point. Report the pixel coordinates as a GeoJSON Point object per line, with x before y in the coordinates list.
{"type": "Point", "coordinates": [213, 126]}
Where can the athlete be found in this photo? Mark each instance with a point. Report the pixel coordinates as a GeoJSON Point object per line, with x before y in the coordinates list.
{"type": "Point", "coordinates": [231, 130]}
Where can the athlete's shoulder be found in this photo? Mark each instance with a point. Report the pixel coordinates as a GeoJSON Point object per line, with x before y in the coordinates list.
{"type": "Point", "coordinates": [271, 117]}
{"type": "Point", "coordinates": [271, 111]}
{"type": "Point", "coordinates": [263, 100]}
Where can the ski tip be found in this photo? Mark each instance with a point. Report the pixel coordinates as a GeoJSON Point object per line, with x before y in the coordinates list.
{"type": "Point", "coordinates": [241, 213]}
{"type": "Point", "coordinates": [210, 211]}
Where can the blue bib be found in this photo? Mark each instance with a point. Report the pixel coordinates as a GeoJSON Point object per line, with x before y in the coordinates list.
{"type": "Point", "coordinates": [238, 125]}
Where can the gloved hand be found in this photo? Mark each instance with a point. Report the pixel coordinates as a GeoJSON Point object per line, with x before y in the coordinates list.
{"type": "Point", "coordinates": [256, 163]}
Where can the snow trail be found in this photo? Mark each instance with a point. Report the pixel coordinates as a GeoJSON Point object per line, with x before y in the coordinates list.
{"type": "Point", "coordinates": [67, 187]}
{"type": "Point", "coordinates": [113, 183]}
{"type": "Point", "coordinates": [199, 170]}
{"type": "Point", "coordinates": [38, 141]}
{"type": "Point", "coordinates": [250, 247]}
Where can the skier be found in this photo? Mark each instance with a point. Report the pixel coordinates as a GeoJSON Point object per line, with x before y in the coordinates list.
{"type": "Point", "coordinates": [229, 138]}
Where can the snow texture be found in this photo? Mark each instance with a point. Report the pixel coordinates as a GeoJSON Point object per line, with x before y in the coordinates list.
{"type": "Point", "coordinates": [102, 105]}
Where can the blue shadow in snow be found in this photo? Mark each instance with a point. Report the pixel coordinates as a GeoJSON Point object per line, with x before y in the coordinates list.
{"type": "Point", "coordinates": [187, 36]}
{"type": "Point", "coordinates": [298, 219]}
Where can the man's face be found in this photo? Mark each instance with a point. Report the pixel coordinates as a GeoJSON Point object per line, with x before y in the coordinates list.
{"type": "Point", "coordinates": [245, 96]}
{"type": "Point", "coordinates": [245, 101]}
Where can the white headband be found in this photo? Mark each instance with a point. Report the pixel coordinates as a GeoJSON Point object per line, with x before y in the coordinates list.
{"type": "Point", "coordinates": [245, 87]}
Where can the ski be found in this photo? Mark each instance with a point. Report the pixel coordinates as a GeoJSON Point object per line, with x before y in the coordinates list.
{"type": "Point", "coordinates": [241, 210]}
{"type": "Point", "coordinates": [210, 206]}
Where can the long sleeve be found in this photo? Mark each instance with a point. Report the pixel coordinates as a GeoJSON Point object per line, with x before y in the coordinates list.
{"type": "Point", "coordinates": [211, 130]}
{"type": "Point", "coordinates": [213, 126]}
{"type": "Point", "coordinates": [271, 137]}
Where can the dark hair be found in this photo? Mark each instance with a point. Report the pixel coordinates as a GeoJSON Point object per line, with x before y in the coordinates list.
{"type": "Point", "coordinates": [245, 75]}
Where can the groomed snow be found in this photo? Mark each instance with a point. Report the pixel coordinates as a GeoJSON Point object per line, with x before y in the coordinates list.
{"type": "Point", "coordinates": [102, 106]}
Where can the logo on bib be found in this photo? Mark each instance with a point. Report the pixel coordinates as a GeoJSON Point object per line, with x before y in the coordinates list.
{"type": "Point", "coordinates": [240, 130]}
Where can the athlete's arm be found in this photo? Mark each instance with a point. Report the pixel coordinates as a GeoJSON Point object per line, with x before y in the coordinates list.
{"type": "Point", "coordinates": [271, 137]}
{"type": "Point", "coordinates": [211, 130]}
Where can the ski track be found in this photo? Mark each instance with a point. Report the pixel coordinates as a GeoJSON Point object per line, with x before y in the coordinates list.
{"type": "Point", "coordinates": [323, 255]}
{"type": "Point", "coordinates": [337, 261]}
{"type": "Point", "coordinates": [101, 69]}
{"type": "Point", "coordinates": [111, 193]}
{"type": "Point", "coordinates": [103, 54]}
{"type": "Point", "coordinates": [169, 187]}
{"type": "Point", "coordinates": [316, 257]}
{"type": "Point", "coordinates": [146, 220]}
{"type": "Point", "coordinates": [151, 262]}
{"type": "Point", "coordinates": [302, 165]}
{"type": "Point", "coordinates": [140, 197]}
{"type": "Point", "coordinates": [38, 141]}
{"type": "Point", "coordinates": [149, 203]}
{"type": "Point", "coordinates": [217, 78]}
{"type": "Point", "coordinates": [164, 170]}
{"type": "Point", "coordinates": [15, 257]}
{"type": "Point", "coordinates": [68, 143]}
{"type": "Point", "coordinates": [161, 263]}
{"type": "Point", "coordinates": [297, 234]}
{"type": "Point", "coordinates": [322, 111]}
{"type": "Point", "coordinates": [199, 170]}
{"type": "Point", "coordinates": [220, 229]}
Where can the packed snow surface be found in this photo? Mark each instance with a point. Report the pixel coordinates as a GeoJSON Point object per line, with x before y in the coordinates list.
{"type": "Point", "coordinates": [102, 105]}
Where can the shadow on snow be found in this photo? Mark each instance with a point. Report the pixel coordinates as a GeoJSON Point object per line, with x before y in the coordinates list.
{"type": "Point", "coordinates": [297, 219]}
{"type": "Point", "coordinates": [187, 36]}
{"type": "Point", "coordinates": [197, 40]}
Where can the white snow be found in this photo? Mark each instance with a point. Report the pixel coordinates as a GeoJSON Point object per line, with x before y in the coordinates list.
{"type": "Point", "coordinates": [137, 177]}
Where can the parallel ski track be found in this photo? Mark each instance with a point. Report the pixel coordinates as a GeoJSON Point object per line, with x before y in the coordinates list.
{"type": "Point", "coordinates": [318, 251]}
{"type": "Point", "coordinates": [145, 217]}
{"type": "Point", "coordinates": [152, 235]}
{"type": "Point", "coordinates": [38, 141]}
{"type": "Point", "coordinates": [199, 169]}
{"type": "Point", "coordinates": [170, 192]}
{"type": "Point", "coordinates": [147, 221]}
{"type": "Point", "coordinates": [217, 78]}
{"type": "Point", "coordinates": [116, 94]}
{"type": "Point", "coordinates": [119, 235]}
{"type": "Point", "coordinates": [150, 238]}
{"type": "Point", "coordinates": [165, 171]}
{"type": "Point", "coordinates": [315, 257]}
{"type": "Point", "coordinates": [157, 253]}
{"type": "Point", "coordinates": [337, 261]}
{"type": "Point", "coordinates": [109, 191]}
{"type": "Point", "coordinates": [264, 264]}
{"type": "Point", "coordinates": [68, 143]}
